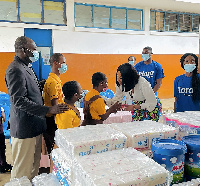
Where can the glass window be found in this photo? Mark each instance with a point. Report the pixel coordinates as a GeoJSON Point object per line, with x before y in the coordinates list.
{"type": "Point", "coordinates": [118, 18]}
{"type": "Point", "coordinates": [184, 23]}
{"type": "Point", "coordinates": [30, 11]}
{"type": "Point", "coordinates": [83, 16]}
{"type": "Point", "coordinates": [174, 21]}
{"type": "Point", "coordinates": [135, 19]}
{"type": "Point", "coordinates": [195, 23]}
{"type": "Point", "coordinates": [54, 12]}
{"type": "Point", "coordinates": [171, 22]}
{"type": "Point", "coordinates": [153, 20]}
{"type": "Point", "coordinates": [159, 21]}
{"type": "Point", "coordinates": [8, 10]}
{"type": "Point", "coordinates": [101, 17]}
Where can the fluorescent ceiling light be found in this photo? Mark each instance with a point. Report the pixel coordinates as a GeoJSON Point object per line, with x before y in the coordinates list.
{"type": "Point", "coordinates": [190, 1]}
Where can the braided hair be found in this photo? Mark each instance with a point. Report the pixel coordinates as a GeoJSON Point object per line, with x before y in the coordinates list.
{"type": "Point", "coordinates": [195, 78]}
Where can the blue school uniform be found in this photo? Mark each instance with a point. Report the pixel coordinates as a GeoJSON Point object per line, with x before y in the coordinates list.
{"type": "Point", "coordinates": [183, 92]}
{"type": "Point", "coordinates": [150, 72]}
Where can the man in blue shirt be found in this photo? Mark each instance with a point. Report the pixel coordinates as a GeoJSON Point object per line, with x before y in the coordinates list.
{"type": "Point", "coordinates": [150, 70]}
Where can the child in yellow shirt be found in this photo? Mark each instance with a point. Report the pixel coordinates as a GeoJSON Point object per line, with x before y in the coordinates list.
{"type": "Point", "coordinates": [94, 105]}
{"type": "Point", "coordinates": [71, 118]}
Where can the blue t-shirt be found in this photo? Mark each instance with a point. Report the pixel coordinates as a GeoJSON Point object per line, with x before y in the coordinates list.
{"type": "Point", "coordinates": [150, 72]}
{"type": "Point", "coordinates": [183, 92]}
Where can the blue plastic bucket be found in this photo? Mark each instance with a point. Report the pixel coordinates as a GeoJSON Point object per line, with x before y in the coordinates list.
{"type": "Point", "coordinates": [170, 154]}
{"type": "Point", "coordinates": [192, 157]}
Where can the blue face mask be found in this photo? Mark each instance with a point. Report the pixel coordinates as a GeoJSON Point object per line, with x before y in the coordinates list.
{"type": "Point", "coordinates": [63, 68]}
{"type": "Point", "coordinates": [35, 56]}
{"type": "Point", "coordinates": [145, 57]}
{"type": "Point", "coordinates": [131, 62]}
{"type": "Point", "coordinates": [189, 67]}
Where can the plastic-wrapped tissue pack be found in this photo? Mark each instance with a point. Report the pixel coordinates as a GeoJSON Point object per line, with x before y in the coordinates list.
{"type": "Point", "coordinates": [119, 167]}
{"type": "Point", "coordinates": [140, 134]}
{"type": "Point", "coordinates": [45, 179]}
{"type": "Point", "coordinates": [23, 181]}
{"type": "Point", "coordinates": [193, 182]}
{"type": "Point", "coordinates": [91, 139]}
{"type": "Point", "coordinates": [63, 166]}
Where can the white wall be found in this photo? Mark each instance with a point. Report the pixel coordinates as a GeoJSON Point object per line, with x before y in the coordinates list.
{"type": "Point", "coordinates": [105, 43]}
{"type": "Point", "coordinates": [68, 39]}
{"type": "Point", "coordinates": [8, 37]}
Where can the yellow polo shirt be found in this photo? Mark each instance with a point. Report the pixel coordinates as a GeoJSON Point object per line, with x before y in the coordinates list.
{"type": "Point", "coordinates": [97, 107]}
{"type": "Point", "coordinates": [52, 89]}
{"type": "Point", "coordinates": [68, 119]}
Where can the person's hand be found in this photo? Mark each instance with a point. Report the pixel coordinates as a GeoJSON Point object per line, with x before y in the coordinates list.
{"type": "Point", "coordinates": [57, 109]}
{"type": "Point", "coordinates": [132, 107]}
{"type": "Point", "coordinates": [116, 107]}
{"type": "Point", "coordinates": [129, 108]}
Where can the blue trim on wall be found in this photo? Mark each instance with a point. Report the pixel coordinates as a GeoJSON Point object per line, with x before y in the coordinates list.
{"type": "Point", "coordinates": [65, 16]}
{"type": "Point", "coordinates": [42, 11]}
{"type": "Point", "coordinates": [18, 14]}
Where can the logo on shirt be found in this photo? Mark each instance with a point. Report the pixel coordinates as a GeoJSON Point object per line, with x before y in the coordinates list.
{"type": "Point", "coordinates": [185, 90]}
{"type": "Point", "coordinates": [146, 74]}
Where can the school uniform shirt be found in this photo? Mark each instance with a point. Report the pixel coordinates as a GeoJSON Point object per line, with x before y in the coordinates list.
{"type": "Point", "coordinates": [150, 72]}
{"type": "Point", "coordinates": [68, 119]}
{"type": "Point", "coordinates": [183, 92]}
{"type": "Point", "coordinates": [142, 92]}
{"type": "Point", "coordinates": [97, 107]}
{"type": "Point", "coordinates": [52, 89]}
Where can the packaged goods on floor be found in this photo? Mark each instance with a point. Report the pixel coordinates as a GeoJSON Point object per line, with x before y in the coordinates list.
{"type": "Point", "coordinates": [188, 122]}
{"type": "Point", "coordinates": [118, 167]}
{"type": "Point", "coordinates": [91, 139]}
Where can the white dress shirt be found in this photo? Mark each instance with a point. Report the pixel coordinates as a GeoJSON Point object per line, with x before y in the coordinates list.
{"type": "Point", "coordinates": [142, 92]}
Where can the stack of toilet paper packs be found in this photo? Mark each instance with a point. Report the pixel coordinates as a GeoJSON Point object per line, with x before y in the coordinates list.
{"type": "Point", "coordinates": [187, 122]}
{"type": "Point", "coordinates": [98, 155]}
{"type": "Point", "coordinates": [140, 134]}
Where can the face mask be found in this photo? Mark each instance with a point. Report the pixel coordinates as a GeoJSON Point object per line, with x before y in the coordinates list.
{"type": "Point", "coordinates": [63, 68]}
{"type": "Point", "coordinates": [35, 56]}
{"type": "Point", "coordinates": [189, 67]}
{"type": "Point", "coordinates": [131, 62]}
{"type": "Point", "coordinates": [145, 57]}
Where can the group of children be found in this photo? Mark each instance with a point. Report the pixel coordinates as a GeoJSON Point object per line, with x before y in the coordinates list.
{"type": "Point", "coordinates": [134, 87]}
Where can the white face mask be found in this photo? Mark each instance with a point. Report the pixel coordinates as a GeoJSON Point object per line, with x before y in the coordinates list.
{"type": "Point", "coordinates": [131, 62]}
{"type": "Point", "coordinates": [35, 56]}
{"type": "Point", "coordinates": [189, 67]}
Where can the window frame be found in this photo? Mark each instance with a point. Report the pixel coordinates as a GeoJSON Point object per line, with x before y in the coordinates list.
{"type": "Point", "coordinates": [110, 19]}
{"type": "Point", "coordinates": [42, 13]}
{"type": "Point", "coordinates": [178, 13]}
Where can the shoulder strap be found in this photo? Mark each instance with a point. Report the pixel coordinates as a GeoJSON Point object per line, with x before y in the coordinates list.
{"type": "Point", "coordinates": [75, 110]}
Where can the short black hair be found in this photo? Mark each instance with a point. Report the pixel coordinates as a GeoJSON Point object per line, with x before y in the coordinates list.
{"type": "Point", "coordinates": [69, 89]}
{"type": "Point", "coordinates": [132, 56]}
{"type": "Point", "coordinates": [21, 42]}
{"type": "Point", "coordinates": [195, 78]}
{"type": "Point", "coordinates": [129, 75]}
{"type": "Point", "coordinates": [148, 48]}
{"type": "Point", "coordinates": [55, 57]}
{"type": "Point", "coordinates": [97, 78]}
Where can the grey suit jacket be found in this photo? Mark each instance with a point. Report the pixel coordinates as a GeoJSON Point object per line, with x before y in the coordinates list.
{"type": "Point", "coordinates": [27, 113]}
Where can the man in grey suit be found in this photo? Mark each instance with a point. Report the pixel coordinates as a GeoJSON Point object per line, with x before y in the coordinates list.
{"type": "Point", "coordinates": [27, 113]}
